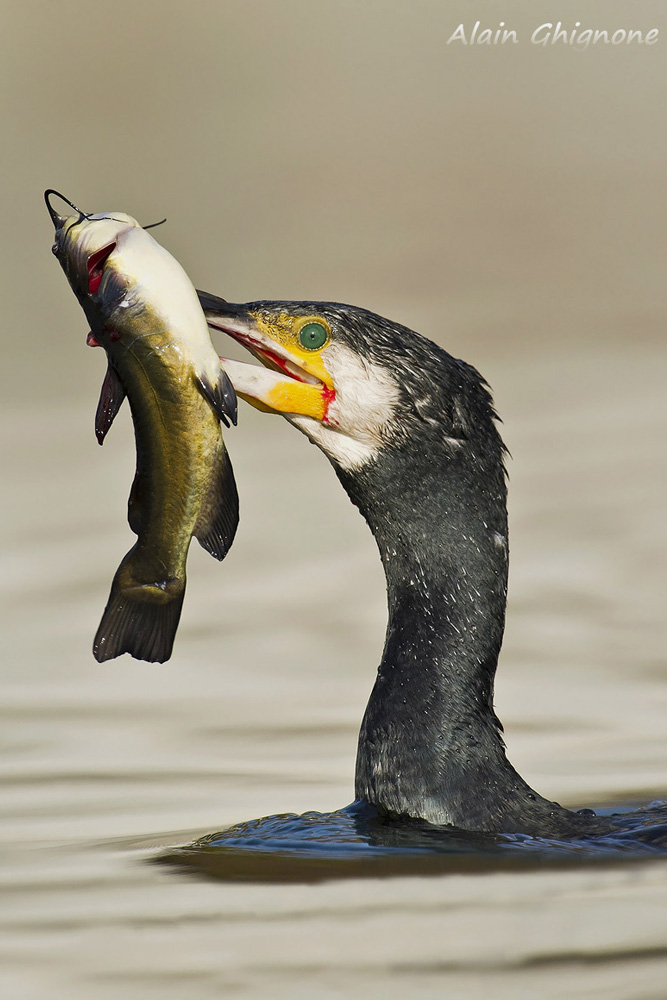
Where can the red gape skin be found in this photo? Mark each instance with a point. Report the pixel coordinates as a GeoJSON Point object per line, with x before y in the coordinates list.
{"type": "Point", "coordinates": [329, 396]}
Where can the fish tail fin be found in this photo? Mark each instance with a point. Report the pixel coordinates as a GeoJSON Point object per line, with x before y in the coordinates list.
{"type": "Point", "coordinates": [141, 620]}
{"type": "Point", "coordinates": [217, 525]}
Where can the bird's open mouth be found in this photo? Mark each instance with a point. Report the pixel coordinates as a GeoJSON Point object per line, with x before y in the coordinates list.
{"type": "Point", "coordinates": [273, 357]}
{"type": "Point", "coordinates": [282, 384]}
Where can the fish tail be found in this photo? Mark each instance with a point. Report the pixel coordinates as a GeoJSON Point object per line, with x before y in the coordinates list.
{"type": "Point", "coordinates": [141, 620]}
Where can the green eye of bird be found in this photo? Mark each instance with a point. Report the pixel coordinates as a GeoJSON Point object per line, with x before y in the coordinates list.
{"type": "Point", "coordinates": [312, 336]}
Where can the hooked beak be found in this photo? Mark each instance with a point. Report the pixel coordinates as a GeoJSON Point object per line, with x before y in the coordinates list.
{"type": "Point", "coordinates": [284, 385]}
{"type": "Point", "coordinates": [58, 220]}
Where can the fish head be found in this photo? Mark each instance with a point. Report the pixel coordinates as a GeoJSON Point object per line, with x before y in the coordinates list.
{"type": "Point", "coordinates": [129, 286]}
{"type": "Point", "coordinates": [83, 243]}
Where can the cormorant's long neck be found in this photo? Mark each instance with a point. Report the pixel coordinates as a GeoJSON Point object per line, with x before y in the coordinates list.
{"type": "Point", "coordinates": [430, 743]}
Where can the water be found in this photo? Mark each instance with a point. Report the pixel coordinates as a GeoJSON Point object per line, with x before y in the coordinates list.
{"type": "Point", "coordinates": [356, 843]}
{"type": "Point", "coordinates": [509, 204]}
{"type": "Point", "coordinates": [111, 774]}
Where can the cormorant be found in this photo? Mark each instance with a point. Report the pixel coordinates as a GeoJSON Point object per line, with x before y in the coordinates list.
{"type": "Point", "coordinates": [411, 433]}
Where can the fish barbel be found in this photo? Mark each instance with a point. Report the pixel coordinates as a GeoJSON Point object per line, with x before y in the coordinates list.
{"type": "Point", "coordinates": [144, 312]}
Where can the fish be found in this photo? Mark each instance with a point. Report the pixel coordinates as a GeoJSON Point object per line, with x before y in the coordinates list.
{"type": "Point", "coordinates": [144, 312]}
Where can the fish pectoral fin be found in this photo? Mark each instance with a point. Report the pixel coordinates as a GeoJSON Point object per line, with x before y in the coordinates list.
{"type": "Point", "coordinates": [111, 398]}
{"type": "Point", "coordinates": [220, 395]}
{"type": "Point", "coordinates": [219, 518]}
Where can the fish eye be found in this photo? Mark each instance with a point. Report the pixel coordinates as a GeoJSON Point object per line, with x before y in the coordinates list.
{"type": "Point", "coordinates": [312, 336]}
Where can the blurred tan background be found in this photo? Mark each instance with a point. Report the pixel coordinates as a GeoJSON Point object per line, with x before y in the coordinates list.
{"type": "Point", "coordinates": [507, 202]}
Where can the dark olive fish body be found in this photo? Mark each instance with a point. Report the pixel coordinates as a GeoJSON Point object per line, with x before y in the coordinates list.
{"type": "Point", "coordinates": [184, 486]}
{"type": "Point", "coordinates": [144, 312]}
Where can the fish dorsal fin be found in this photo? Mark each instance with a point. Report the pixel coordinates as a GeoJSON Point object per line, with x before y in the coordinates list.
{"type": "Point", "coordinates": [219, 518]}
{"type": "Point", "coordinates": [220, 395]}
{"type": "Point", "coordinates": [111, 398]}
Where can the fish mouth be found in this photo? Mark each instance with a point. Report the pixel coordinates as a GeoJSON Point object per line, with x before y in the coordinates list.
{"type": "Point", "coordinates": [96, 262]}
{"type": "Point", "coordinates": [282, 384]}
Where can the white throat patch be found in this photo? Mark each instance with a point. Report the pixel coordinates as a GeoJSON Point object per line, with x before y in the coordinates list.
{"type": "Point", "coordinates": [356, 424]}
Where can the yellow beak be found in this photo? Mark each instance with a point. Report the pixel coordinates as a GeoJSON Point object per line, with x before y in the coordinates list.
{"type": "Point", "coordinates": [273, 392]}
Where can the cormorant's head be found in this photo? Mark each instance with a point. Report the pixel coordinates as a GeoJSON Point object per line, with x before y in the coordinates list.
{"type": "Point", "coordinates": [353, 382]}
